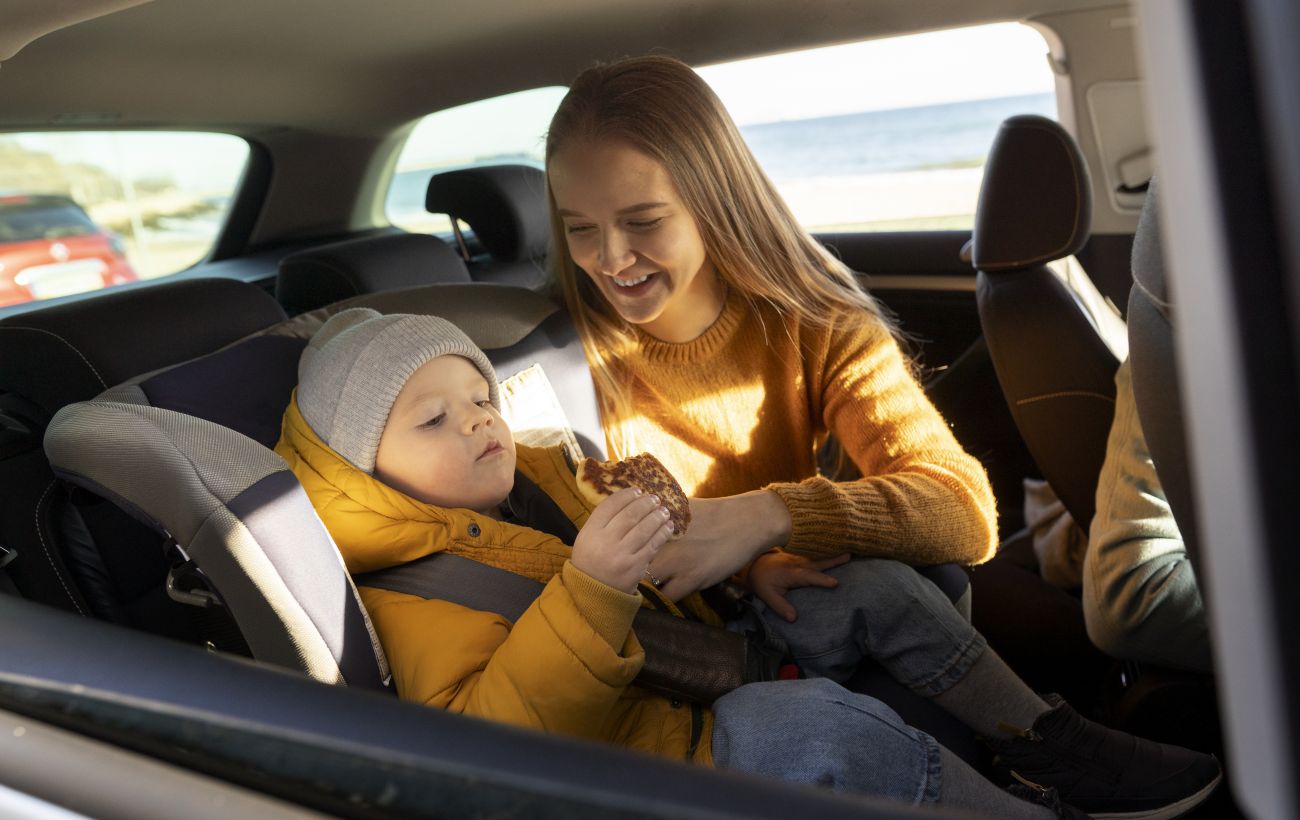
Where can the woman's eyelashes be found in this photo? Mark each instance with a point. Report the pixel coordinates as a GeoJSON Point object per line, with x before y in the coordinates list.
{"type": "Point", "coordinates": [636, 225]}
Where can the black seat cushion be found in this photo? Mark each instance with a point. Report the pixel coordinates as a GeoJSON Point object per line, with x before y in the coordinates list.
{"type": "Point", "coordinates": [1056, 370]}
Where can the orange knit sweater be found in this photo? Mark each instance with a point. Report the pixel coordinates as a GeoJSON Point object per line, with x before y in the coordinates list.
{"type": "Point", "coordinates": [748, 403]}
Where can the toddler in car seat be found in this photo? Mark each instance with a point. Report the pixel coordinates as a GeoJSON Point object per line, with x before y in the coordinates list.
{"type": "Point", "coordinates": [396, 435]}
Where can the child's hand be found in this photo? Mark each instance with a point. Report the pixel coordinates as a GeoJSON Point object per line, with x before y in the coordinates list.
{"type": "Point", "coordinates": [624, 532]}
{"type": "Point", "coordinates": [775, 573]}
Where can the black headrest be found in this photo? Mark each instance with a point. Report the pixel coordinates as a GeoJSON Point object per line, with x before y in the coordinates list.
{"type": "Point", "coordinates": [1035, 203]}
{"type": "Point", "coordinates": [1148, 257]}
{"type": "Point", "coordinates": [70, 352]}
{"type": "Point", "coordinates": [319, 276]}
{"type": "Point", "coordinates": [504, 204]}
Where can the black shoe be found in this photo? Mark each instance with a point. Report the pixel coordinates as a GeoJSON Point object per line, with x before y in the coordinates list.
{"type": "Point", "coordinates": [1105, 772]}
{"type": "Point", "coordinates": [1049, 798]}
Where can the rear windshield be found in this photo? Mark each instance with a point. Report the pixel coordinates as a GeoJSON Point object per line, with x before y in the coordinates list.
{"type": "Point", "coordinates": [23, 219]}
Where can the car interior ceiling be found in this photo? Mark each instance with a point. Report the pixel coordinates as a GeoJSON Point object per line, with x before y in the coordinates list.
{"type": "Point", "coordinates": [306, 237]}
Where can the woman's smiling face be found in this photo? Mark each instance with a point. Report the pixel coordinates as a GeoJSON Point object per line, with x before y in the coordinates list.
{"type": "Point", "coordinates": [628, 229]}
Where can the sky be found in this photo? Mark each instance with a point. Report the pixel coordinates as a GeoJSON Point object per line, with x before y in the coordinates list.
{"type": "Point", "coordinates": [1003, 60]}
{"type": "Point", "coordinates": [963, 64]}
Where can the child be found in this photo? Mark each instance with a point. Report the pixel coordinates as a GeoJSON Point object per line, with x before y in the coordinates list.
{"type": "Point", "coordinates": [394, 431]}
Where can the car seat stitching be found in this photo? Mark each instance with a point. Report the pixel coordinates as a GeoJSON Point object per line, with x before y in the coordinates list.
{"type": "Point", "coordinates": [1156, 300]}
{"type": "Point", "coordinates": [75, 349]}
{"type": "Point", "coordinates": [48, 556]}
{"type": "Point", "coordinates": [1087, 394]}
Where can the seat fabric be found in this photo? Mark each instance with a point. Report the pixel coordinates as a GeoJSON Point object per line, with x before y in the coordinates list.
{"type": "Point", "coordinates": [1043, 329]}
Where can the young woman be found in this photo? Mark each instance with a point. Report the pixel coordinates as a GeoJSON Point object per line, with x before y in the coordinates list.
{"type": "Point", "coordinates": [729, 343]}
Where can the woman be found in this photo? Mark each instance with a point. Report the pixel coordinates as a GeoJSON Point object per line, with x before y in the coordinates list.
{"type": "Point", "coordinates": [726, 341]}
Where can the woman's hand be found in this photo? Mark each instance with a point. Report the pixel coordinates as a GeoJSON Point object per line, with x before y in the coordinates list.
{"type": "Point", "coordinates": [623, 534]}
{"type": "Point", "coordinates": [725, 534]}
{"type": "Point", "coordinates": [776, 572]}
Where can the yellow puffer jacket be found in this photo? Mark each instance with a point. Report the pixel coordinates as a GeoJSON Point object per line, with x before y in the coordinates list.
{"type": "Point", "coordinates": [565, 666]}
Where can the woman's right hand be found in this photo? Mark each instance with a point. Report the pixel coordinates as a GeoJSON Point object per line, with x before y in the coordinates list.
{"type": "Point", "coordinates": [724, 535]}
{"type": "Point", "coordinates": [623, 534]}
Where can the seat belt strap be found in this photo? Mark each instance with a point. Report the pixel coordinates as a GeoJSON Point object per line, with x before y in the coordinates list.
{"type": "Point", "coordinates": [459, 580]}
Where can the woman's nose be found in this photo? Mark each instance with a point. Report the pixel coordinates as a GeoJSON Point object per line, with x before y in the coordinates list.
{"type": "Point", "coordinates": [615, 254]}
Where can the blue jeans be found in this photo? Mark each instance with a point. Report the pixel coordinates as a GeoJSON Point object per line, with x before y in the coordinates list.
{"type": "Point", "coordinates": [884, 611]}
{"type": "Point", "coordinates": [817, 732]}
{"type": "Point", "coordinates": [814, 730]}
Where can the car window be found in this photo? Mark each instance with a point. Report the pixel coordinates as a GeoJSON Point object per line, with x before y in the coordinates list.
{"type": "Point", "coordinates": [888, 134]}
{"type": "Point", "coordinates": [80, 211]}
{"type": "Point", "coordinates": [847, 149]}
{"type": "Point", "coordinates": [510, 128]}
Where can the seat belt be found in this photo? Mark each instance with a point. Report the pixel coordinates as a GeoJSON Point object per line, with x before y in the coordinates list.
{"type": "Point", "coordinates": [684, 659]}
{"type": "Point", "coordinates": [459, 580]}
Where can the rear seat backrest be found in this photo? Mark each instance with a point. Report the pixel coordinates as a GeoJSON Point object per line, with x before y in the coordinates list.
{"type": "Point", "coordinates": [505, 205]}
{"type": "Point", "coordinates": [71, 352]}
{"type": "Point", "coordinates": [50, 357]}
{"type": "Point", "coordinates": [330, 273]}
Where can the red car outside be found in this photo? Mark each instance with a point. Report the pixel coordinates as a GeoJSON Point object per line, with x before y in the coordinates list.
{"type": "Point", "coordinates": [49, 247]}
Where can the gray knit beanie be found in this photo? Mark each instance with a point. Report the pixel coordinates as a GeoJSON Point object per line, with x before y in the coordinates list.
{"type": "Point", "coordinates": [356, 364]}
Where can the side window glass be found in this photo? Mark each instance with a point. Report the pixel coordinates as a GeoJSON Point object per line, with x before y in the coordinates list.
{"type": "Point", "coordinates": [889, 134]}
{"type": "Point", "coordinates": [80, 211]}
{"type": "Point", "coordinates": [506, 129]}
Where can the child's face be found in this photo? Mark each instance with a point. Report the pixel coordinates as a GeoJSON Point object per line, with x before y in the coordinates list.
{"type": "Point", "coordinates": [632, 234]}
{"type": "Point", "coordinates": [444, 443]}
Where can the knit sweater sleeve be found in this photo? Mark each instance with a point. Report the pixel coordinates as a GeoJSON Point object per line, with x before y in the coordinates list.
{"type": "Point", "coordinates": [922, 499]}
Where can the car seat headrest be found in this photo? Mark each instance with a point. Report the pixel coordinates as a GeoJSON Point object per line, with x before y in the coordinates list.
{"type": "Point", "coordinates": [1148, 259]}
{"type": "Point", "coordinates": [64, 353]}
{"type": "Point", "coordinates": [504, 204]}
{"type": "Point", "coordinates": [319, 276]}
{"type": "Point", "coordinates": [1035, 203]}
{"type": "Point", "coordinates": [235, 509]}
{"type": "Point", "coordinates": [245, 386]}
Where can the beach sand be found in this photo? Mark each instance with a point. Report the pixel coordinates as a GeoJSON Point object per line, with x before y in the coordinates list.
{"type": "Point", "coordinates": [940, 199]}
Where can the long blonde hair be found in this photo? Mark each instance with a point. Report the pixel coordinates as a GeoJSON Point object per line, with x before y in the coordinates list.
{"type": "Point", "coordinates": [662, 108]}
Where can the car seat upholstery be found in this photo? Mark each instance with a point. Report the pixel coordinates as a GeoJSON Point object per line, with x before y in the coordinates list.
{"type": "Point", "coordinates": [330, 273]}
{"type": "Point", "coordinates": [505, 205]}
{"type": "Point", "coordinates": [1050, 336]}
{"type": "Point", "coordinates": [1156, 386]}
{"type": "Point", "coordinates": [59, 354]}
{"type": "Point", "coordinates": [235, 510]}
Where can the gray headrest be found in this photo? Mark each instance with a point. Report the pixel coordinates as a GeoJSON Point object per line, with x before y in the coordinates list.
{"type": "Point", "coordinates": [1035, 202]}
{"type": "Point", "coordinates": [237, 511]}
{"type": "Point", "coordinates": [504, 204]}
{"type": "Point", "coordinates": [312, 278]}
{"type": "Point", "coordinates": [1148, 255]}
